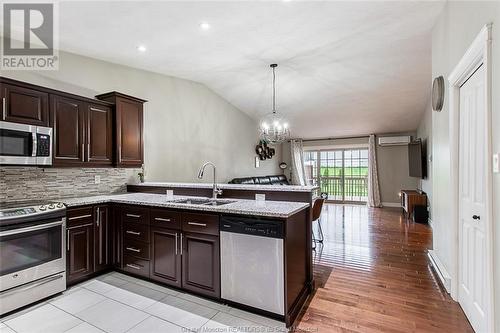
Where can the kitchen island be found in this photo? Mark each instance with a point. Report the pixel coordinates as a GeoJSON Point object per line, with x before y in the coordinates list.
{"type": "Point", "coordinates": [181, 241]}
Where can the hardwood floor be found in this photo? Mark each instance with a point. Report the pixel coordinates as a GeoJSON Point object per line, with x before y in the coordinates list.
{"type": "Point", "coordinates": [372, 275]}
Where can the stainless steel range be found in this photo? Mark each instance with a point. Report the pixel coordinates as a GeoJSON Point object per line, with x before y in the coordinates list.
{"type": "Point", "coordinates": [32, 252]}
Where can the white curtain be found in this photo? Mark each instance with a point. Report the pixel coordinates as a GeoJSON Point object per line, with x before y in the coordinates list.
{"type": "Point", "coordinates": [373, 186]}
{"type": "Point", "coordinates": [298, 169]}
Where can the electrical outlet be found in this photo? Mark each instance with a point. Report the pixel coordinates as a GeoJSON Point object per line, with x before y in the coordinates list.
{"type": "Point", "coordinates": [97, 179]}
{"type": "Point", "coordinates": [496, 167]}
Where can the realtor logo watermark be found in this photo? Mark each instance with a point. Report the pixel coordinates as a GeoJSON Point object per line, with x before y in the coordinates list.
{"type": "Point", "coordinates": [29, 36]}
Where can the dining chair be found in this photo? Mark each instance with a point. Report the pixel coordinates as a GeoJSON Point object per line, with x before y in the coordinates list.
{"type": "Point", "coordinates": [316, 216]}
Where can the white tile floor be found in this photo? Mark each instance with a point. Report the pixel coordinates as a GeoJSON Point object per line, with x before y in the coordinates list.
{"type": "Point", "coordinates": [119, 303]}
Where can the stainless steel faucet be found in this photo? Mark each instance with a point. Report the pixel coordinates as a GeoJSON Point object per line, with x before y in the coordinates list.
{"type": "Point", "coordinates": [216, 190]}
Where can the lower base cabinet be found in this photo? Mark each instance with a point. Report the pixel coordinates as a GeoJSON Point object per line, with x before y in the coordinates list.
{"type": "Point", "coordinates": [201, 264]}
{"type": "Point", "coordinates": [80, 256]}
{"type": "Point", "coordinates": [88, 241]}
{"type": "Point", "coordinates": [166, 256]}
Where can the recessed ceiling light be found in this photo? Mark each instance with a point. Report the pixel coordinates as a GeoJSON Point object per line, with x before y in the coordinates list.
{"type": "Point", "coordinates": [204, 25]}
{"type": "Point", "coordinates": [141, 48]}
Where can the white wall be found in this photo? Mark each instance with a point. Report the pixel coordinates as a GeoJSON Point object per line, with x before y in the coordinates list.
{"type": "Point", "coordinates": [185, 123]}
{"type": "Point", "coordinates": [455, 30]}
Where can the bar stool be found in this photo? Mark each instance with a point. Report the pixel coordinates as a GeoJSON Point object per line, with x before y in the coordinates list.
{"type": "Point", "coordinates": [316, 216]}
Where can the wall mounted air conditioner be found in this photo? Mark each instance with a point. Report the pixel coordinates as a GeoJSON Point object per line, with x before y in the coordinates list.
{"type": "Point", "coordinates": [394, 140]}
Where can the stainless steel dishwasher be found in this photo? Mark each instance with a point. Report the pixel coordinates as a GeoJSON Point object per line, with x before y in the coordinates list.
{"type": "Point", "coordinates": [252, 263]}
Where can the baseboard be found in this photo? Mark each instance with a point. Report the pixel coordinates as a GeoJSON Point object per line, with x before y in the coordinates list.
{"type": "Point", "coordinates": [440, 270]}
{"type": "Point", "coordinates": [391, 204]}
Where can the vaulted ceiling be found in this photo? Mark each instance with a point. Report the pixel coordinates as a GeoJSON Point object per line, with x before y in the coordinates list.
{"type": "Point", "coordinates": [345, 68]}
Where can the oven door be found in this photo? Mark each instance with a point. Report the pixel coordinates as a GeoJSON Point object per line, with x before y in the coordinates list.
{"type": "Point", "coordinates": [17, 144]}
{"type": "Point", "coordinates": [32, 252]}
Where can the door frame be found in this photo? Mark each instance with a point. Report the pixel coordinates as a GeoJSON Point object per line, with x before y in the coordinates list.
{"type": "Point", "coordinates": [478, 53]}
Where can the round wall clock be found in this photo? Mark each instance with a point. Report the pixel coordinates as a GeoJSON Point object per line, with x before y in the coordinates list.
{"type": "Point", "coordinates": [438, 93]}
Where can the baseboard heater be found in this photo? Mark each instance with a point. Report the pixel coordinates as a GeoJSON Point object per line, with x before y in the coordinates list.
{"type": "Point", "coordinates": [437, 267]}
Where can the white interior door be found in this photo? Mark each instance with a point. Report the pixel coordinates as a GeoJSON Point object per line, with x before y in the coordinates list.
{"type": "Point", "coordinates": [473, 293]}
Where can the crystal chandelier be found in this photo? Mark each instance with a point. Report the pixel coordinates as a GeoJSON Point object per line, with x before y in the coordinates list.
{"type": "Point", "coordinates": [274, 127]}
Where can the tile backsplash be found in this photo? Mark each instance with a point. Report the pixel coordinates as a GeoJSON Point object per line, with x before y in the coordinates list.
{"type": "Point", "coordinates": [30, 183]}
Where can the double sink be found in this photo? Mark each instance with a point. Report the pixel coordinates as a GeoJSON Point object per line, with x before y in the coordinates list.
{"type": "Point", "coordinates": [204, 202]}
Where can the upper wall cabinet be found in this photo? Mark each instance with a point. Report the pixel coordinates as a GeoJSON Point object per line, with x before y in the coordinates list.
{"type": "Point", "coordinates": [82, 132]}
{"type": "Point", "coordinates": [128, 128]}
{"type": "Point", "coordinates": [22, 104]}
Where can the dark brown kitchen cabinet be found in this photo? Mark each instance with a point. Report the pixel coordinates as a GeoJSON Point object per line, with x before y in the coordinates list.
{"type": "Point", "coordinates": [22, 104]}
{"type": "Point", "coordinates": [80, 243]}
{"type": "Point", "coordinates": [201, 264]}
{"type": "Point", "coordinates": [82, 132]}
{"type": "Point", "coordinates": [102, 237]}
{"type": "Point", "coordinates": [68, 122]}
{"type": "Point", "coordinates": [128, 134]}
{"type": "Point", "coordinates": [99, 138]}
{"type": "Point", "coordinates": [165, 256]}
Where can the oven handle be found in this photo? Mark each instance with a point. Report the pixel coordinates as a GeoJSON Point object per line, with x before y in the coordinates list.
{"type": "Point", "coordinates": [33, 285]}
{"type": "Point", "coordinates": [33, 228]}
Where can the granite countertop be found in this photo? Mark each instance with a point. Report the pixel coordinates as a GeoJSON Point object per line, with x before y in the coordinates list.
{"type": "Point", "coordinates": [278, 188]}
{"type": "Point", "coordinates": [280, 209]}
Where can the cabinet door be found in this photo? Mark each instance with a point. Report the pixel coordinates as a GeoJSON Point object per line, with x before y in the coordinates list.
{"type": "Point", "coordinates": [129, 133]}
{"type": "Point", "coordinates": [80, 256]}
{"type": "Point", "coordinates": [68, 119]}
{"type": "Point", "coordinates": [201, 264]}
{"type": "Point", "coordinates": [24, 105]}
{"type": "Point", "coordinates": [99, 135]}
{"type": "Point", "coordinates": [165, 254]}
{"type": "Point", "coordinates": [102, 238]}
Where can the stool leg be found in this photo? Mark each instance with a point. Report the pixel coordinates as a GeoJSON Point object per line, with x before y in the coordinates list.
{"type": "Point", "coordinates": [322, 237]}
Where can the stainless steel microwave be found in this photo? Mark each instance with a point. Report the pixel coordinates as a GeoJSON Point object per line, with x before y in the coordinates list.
{"type": "Point", "coordinates": [22, 144]}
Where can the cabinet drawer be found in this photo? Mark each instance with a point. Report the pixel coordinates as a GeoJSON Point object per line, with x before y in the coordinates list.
{"type": "Point", "coordinates": [165, 218]}
{"type": "Point", "coordinates": [200, 223]}
{"type": "Point", "coordinates": [135, 214]}
{"type": "Point", "coordinates": [135, 265]}
{"type": "Point", "coordinates": [136, 248]}
{"type": "Point", "coordinates": [80, 215]}
{"type": "Point", "coordinates": [135, 231]}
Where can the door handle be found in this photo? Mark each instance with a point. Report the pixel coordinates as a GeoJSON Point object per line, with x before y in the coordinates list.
{"type": "Point", "coordinates": [98, 217]}
{"type": "Point", "coordinates": [133, 266]}
{"type": "Point", "coordinates": [133, 249]}
{"type": "Point", "coordinates": [176, 244]}
{"type": "Point", "coordinates": [197, 224]}
{"type": "Point", "coordinates": [162, 219]}
{"type": "Point", "coordinates": [4, 108]}
{"type": "Point", "coordinates": [476, 217]}
{"type": "Point", "coordinates": [181, 243]}
{"type": "Point", "coordinates": [133, 232]}
{"type": "Point", "coordinates": [133, 215]}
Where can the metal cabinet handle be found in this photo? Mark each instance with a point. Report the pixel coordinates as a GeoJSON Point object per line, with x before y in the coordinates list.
{"type": "Point", "coordinates": [133, 232]}
{"type": "Point", "coordinates": [133, 249]}
{"type": "Point", "coordinates": [133, 215]}
{"type": "Point", "coordinates": [176, 244]}
{"type": "Point", "coordinates": [162, 219]}
{"type": "Point", "coordinates": [88, 152]}
{"type": "Point", "coordinates": [67, 239]}
{"type": "Point", "coordinates": [83, 152]}
{"type": "Point", "coordinates": [79, 217]}
{"type": "Point", "coordinates": [476, 217]}
{"type": "Point", "coordinates": [98, 217]}
{"type": "Point", "coordinates": [133, 266]}
{"type": "Point", "coordinates": [197, 224]}
{"type": "Point", "coordinates": [4, 108]}
{"type": "Point", "coordinates": [181, 243]}
{"type": "Point", "coordinates": [35, 144]}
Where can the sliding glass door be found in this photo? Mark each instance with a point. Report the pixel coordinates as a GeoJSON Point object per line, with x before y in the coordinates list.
{"type": "Point", "coordinates": [340, 173]}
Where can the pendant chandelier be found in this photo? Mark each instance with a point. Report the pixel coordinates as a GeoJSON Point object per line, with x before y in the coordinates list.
{"type": "Point", "coordinates": [274, 127]}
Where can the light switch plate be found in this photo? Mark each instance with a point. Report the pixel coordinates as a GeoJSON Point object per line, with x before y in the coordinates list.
{"type": "Point", "coordinates": [496, 167]}
{"type": "Point", "coordinates": [257, 161]}
{"type": "Point", "coordinates": [97, 179]}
